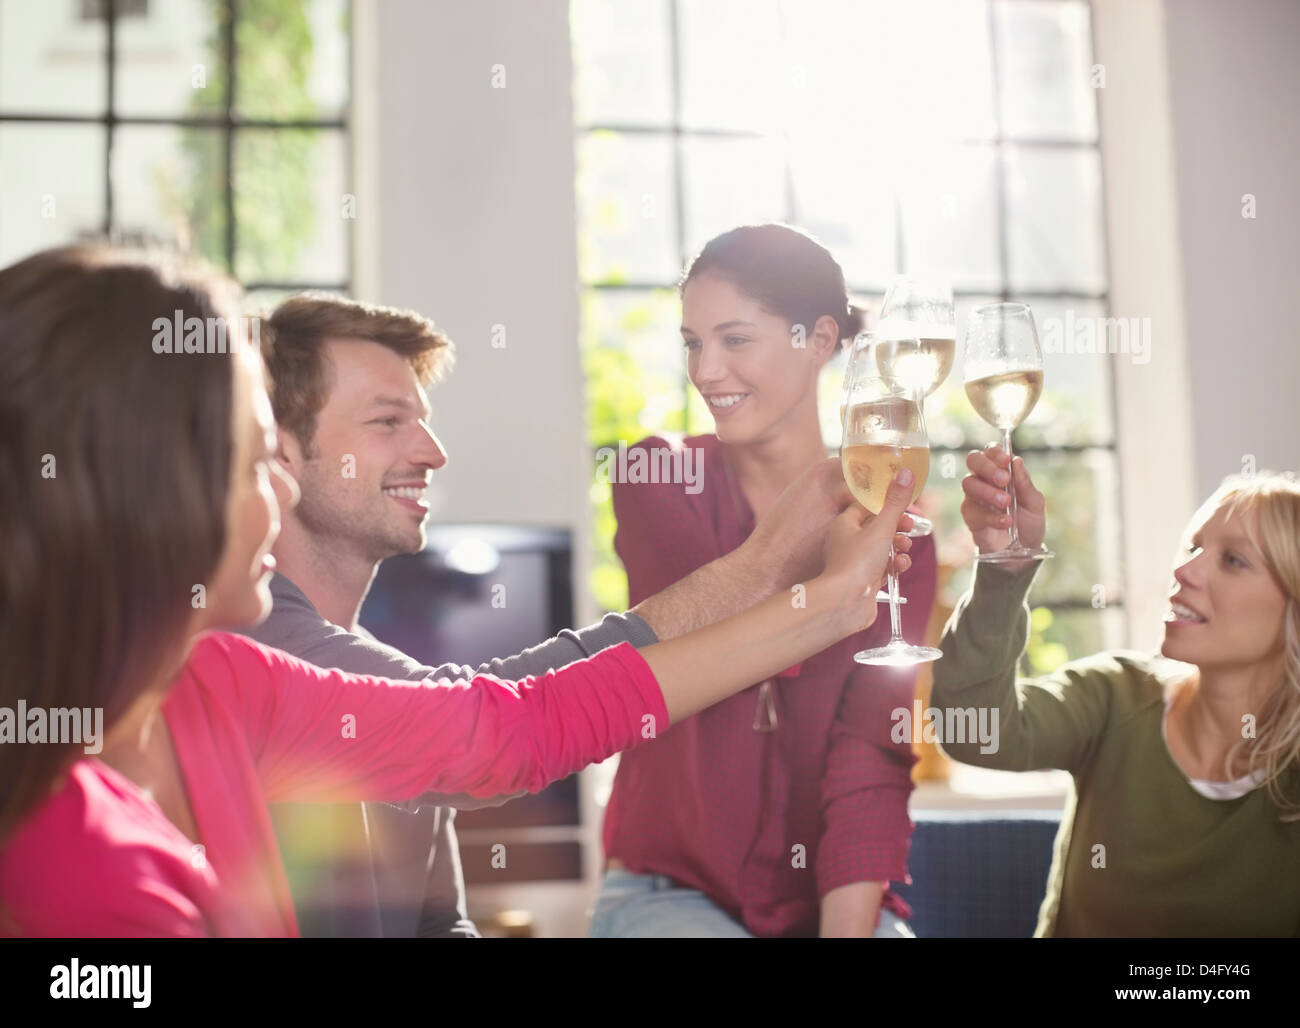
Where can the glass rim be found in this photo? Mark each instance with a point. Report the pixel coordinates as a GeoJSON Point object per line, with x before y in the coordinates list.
{"type": "Point", "coordinates": [925, 280]}
{"type": "Point", "coordinates": [1007, 306]}
{"type": "Point", "coordinates": [872, 335]}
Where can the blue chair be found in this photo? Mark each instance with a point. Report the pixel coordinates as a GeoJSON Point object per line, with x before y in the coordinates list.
{"type": "Point", "coordinates": [979, 874]}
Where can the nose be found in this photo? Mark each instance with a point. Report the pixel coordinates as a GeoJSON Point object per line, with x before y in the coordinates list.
{"type": "Point", "coordinates": [429, 450]}
{"type": "Point", "coordinates": [1188, 573]}
{"type": "Point", "coordinates": [709, 365]}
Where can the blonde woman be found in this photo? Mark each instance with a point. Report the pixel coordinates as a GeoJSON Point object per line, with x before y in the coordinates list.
{"type": "Point", "coordinates": [1185, 818]}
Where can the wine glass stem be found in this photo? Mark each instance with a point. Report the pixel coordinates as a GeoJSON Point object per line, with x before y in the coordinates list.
{"type": "Point", "coordinates": [895, 611]}
{"type": "Point", "coordinates": [1014, 544]}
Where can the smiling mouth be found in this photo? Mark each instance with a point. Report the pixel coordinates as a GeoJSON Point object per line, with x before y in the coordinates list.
{"type": "Point", "coordinates": [410, 497]}
{"type": "Point", "coordinates": [725, 401]}
{"type": "Point", "coordinates": [1180, 614]}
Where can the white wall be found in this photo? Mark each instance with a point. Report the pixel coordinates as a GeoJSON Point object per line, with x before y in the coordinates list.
{"type": "Point", "coordinates": [1234, 86]}
{"type": "Point", "coordinates": [471, 190]}
{"type": "Point", "coordinates": [1198, 109]}
{"type": "Point", "coordinates": [1153, 409]}
{"type": "Point", "coordinates": [473, 196]}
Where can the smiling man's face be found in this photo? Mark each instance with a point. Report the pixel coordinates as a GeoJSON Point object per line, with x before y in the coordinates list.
{"type": "Point", "coordinates": [364, 478]}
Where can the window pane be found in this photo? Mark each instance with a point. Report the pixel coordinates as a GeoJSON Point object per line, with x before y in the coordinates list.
{"type": "Point", "coordinates": [172, 62]}
{"type": "Point", "coordinates": [168, 188]}
{"type": "Point", "coordinates": [941, 502]}
{"type": "Point", "coordinates": [916, 73]}
{"type": "Point", "coordinates": [51, 59]}
{"type": "Point", "coordinates": [635, 364]}
{"type": "Point", "coordinates": [730, 182]}
{"type": "Point", "coordinates": [949, 417]}
{"type": "Point", "coordinates": [1054, 220]}
{"type": "Point", "coordinates": [734, 71]}
{"type": "Point", "coordinates": [622, 60]}
{"type": "Point", "coordinates": [1045, 55]}
{"type": "Point", "coordinates": [847, 202]}
{"type": "Point", "coordinates": [1077, 403]}
{"type": "Point", "coordinates": [292, 58]}
{"type": "Point", "coordinates": [291, 208]}
{"type": "Point", "coordinates": [1059, 636]}
{"type": "Point", "coordinates": [950, 216]}
{"type": "Point", "coordinates": [1082, 524]}
{"type": "Point", "coordinates": [950, 66]}
{"type": "Point", "coordinates": [51, 186]}
{"type": "Point", "coordinates": [1075, 407]}
{"type": "Point", "coordinates": [627, 221]}
{"type": "Point", "coordinates": [635, 367]}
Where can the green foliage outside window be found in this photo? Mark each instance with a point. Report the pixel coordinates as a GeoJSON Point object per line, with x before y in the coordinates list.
{"type": "Point", "coordinates": [626, 400]}
{"type": "Point", "coordinates": [274, 201]}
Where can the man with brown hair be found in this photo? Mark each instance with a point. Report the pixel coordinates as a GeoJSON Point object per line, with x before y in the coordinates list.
{"type": "Point", "coordinates": [347, 385]}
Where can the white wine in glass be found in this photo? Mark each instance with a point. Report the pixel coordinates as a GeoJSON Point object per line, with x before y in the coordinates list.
{"type": "Point", "coordinates": [923, 363]}
{"type": "Point", "coordinates": [1005, 400]}
{"type": "Point", "coordinates": [884, 430]}
{"type": "Point", "coordinates": [870, 467]}
{"type": "Point", "coordinates": [1004, 379]}
{"type": "Point", "coordinates": [864, 343]}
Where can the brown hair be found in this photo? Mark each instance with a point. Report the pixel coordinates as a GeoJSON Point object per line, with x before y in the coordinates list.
{"type": "Point", "coordinates": [115, 471]}
{"type": "Point", "coordinates": [786, 270]}
{"type": "Point", "coordinates": [295, 359]}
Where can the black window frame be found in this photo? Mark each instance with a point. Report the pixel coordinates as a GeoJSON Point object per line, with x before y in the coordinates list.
{"type": "Point", "coordinates": [228, 121]}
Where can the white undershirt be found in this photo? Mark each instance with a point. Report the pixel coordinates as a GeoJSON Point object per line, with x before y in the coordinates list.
{"type": "Point", "coordinates": [1212, 790]}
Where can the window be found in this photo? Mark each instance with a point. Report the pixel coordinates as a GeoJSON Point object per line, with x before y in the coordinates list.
{"type": "Point", "coordinates": [215, 126]}
{"type": "Point", "coordinates": [957, 137]}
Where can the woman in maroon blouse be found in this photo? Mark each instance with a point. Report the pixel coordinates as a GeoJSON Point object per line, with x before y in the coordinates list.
{"type": "Point", "coordinates": [782, 810]}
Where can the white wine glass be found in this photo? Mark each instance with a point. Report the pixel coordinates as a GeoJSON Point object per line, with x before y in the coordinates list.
{"type": "Point", "coordinates": [884, 430]}
{"type": "Point", "coordinates": [918, 313]}
{"type": "Point", "coordinates": [863, 343]}
{"type": "Point", "coordinates": [1003, 369]}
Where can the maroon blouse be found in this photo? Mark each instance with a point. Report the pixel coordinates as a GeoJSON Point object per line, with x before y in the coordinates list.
{"type": "Point", "coordinates": [764, 822]}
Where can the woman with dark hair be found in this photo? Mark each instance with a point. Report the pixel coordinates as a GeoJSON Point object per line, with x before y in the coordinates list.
{"type": "Point", "coordinates": [783, 810]}
{"type": "Point", "coordinates": [139, 500]}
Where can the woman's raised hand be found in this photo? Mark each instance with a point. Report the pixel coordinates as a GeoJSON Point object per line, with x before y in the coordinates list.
{"type": "Point", "coordinates": [857, 548]}
{"type": "Point", "coordinates": [985, 507]}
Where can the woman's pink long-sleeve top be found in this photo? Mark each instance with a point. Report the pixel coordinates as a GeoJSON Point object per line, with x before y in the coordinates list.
{"type": "Point", "coordinates": [764, 823]}
{"type": "Point", "coordinates": [253, 726]}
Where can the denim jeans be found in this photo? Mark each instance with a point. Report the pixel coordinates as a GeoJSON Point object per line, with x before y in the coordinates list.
{"type": "Point", "coordinates": [637, 906]}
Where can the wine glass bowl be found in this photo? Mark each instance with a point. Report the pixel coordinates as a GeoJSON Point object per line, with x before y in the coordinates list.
{"type": "Point", "coordinates": [918, 314]}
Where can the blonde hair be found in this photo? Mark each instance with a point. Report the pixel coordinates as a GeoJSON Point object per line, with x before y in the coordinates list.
{"type": "Point", "coordinates": [1274, 500]}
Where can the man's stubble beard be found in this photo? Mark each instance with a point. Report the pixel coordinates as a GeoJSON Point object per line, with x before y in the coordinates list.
{"type": "Point", "coordinates": [368, 532]}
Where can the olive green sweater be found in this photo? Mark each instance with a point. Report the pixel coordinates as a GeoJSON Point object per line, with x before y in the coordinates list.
{"type": "Point", "coordinates": [1140, 852]}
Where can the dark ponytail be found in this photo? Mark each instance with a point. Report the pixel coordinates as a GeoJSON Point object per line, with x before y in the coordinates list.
{"type": "Point", "coordinates": [784, 269]}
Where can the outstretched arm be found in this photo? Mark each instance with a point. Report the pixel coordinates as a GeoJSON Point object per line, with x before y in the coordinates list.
{"type": "Point", "coordinates": [320, 735]}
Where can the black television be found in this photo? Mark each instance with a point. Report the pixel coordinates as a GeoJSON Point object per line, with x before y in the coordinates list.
{"type": "Point", "coordinates": [473, 593]}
